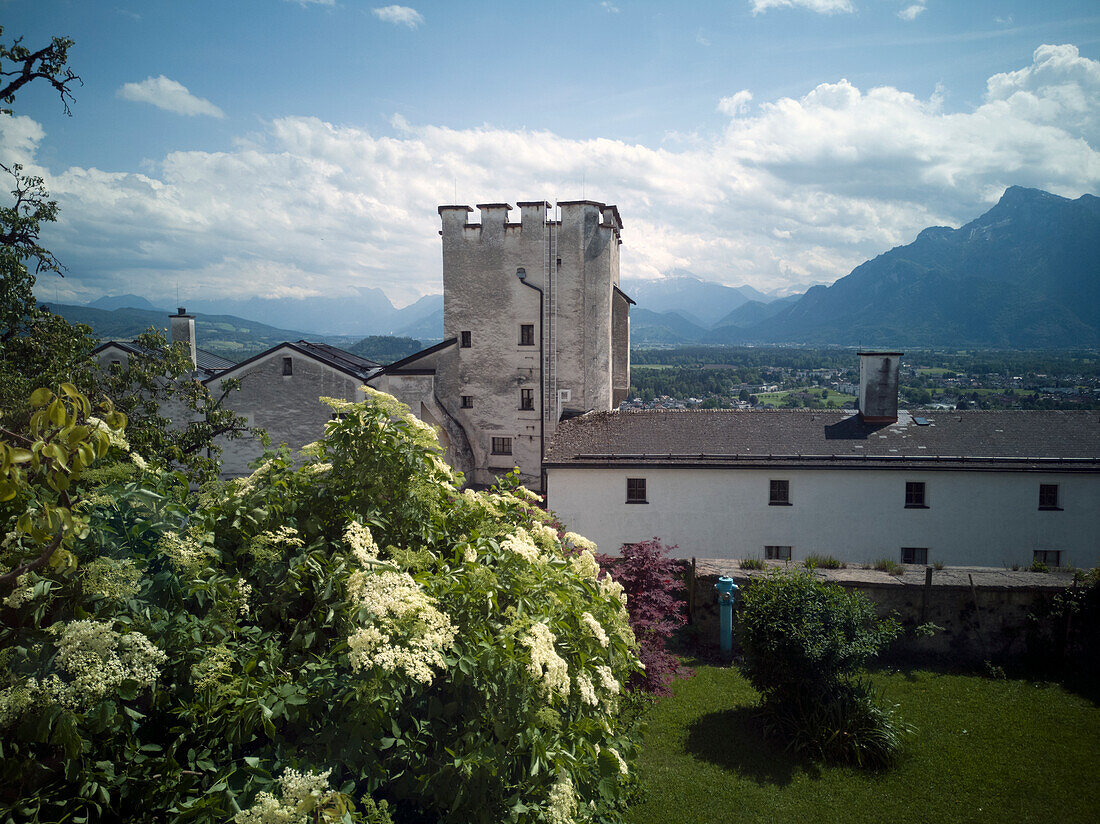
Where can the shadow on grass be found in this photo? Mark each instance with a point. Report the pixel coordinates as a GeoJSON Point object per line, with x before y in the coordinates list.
{"type": "Point", "coordinates": [734, 740]}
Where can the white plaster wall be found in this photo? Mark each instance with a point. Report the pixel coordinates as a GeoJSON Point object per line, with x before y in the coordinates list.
{"type": "Point", "coordinates": [858, 515]}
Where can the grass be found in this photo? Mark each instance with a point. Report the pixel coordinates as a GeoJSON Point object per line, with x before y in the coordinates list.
{"type": "Point", "coordinates": [985, 750]}
{"type": "Point", "coordinates": [886, 565]}
{"type": "Point", "coordinates": [816, 561]}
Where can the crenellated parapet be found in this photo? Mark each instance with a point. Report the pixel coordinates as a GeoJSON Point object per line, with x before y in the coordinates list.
{"type": "Point", "coordinates": [534, 216]}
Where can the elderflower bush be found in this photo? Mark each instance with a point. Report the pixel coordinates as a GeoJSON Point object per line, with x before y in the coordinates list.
{"type": "Point", "coordinates": [337, 640]}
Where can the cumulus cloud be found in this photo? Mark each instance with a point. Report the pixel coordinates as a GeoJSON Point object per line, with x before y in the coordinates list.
{"type": "Point", "coordinates": [168, 95]}
{"type": "Point", "coordinates": [820, 6]}
{"type": "Point", "coordinates": [911, 12]}
{"type": "Point", "coordinates": [399, 16]}
{"type": "Point", "coordinates": [796, 191]}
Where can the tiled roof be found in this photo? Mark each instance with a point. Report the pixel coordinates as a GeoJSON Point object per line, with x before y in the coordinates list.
{"type": "Point", "coordinates": [971, 439]}
{"type": "Point", "coordinates": [211, 362]}
{"type": "Point", "coordinates": [339, 358]}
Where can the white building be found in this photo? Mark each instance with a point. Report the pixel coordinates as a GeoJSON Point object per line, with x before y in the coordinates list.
{"type": "Point", "coordinates": [961, 487]}
{"type": "Point", "coordinates": [535, 329]}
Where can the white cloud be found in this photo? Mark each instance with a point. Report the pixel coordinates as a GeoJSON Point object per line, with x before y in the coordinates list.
{"type": "Point", "coordinates": [399, 16]}
{"type": "Point", "coordinates": [797, 191]}
{"type": "Point", "coordinates": [610, 7]}
{"type": "Point", "coordinates": [168, 95]}
{"type": "Point", "coordinates": [701, 39]}
{"type": "Point", "coordinates": [305, 4]}
{"type": "Point", "coordinates": [911, 12]}
{"type": "Point", "coordinates": [820, 6]}
{"type": "Point", "coordinates": [736, 104]}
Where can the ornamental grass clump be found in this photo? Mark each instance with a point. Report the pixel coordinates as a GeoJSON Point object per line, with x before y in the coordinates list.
{"type": "Point", "coordinates": [805, 642]}
{"type": "Point", "coordinates": [352, 639]}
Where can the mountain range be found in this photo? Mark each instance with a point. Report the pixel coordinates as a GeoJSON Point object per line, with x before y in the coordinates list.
{"type": "Point", "coordinates": [1026, 274]}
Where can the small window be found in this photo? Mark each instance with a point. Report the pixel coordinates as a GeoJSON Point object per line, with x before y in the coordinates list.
{"type": "Point", "coordinates": [1047, 557]}
{"type": "Point", "coordinates": [527, 334]}
{"type": "Point", "coordinates": [635, 491]}
{"type": "Point", "coordinates": [467, 340]}
{"type": "Point", "coordinates": [502, 446]}
{"type": "Point", "coordinates": [1048, 496]}
{"type": "Point", "coordinates": [467, 401]}
{"type": "Point", "coordinates": [777, 553]}
{"type": "Point", "coordinates": [527, 399]}
{"type": "Point", "coordinates": [779, 493]}
{"type": "Point", "coordinates": [288, 366]}
{"type": "Point", "coordinates": [117, 363]}
{"type": "Point", "coordinates": [914, 495]}
{"type": "Point", "coordinates": [914, 555]}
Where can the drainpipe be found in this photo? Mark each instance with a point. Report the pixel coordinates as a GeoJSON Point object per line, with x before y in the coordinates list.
{"type": "Point", "coordinates": [726, 593]}
{"type": "Point", "coordinates": [521, 273]}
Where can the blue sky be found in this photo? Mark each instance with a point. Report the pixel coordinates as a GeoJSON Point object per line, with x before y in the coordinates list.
{"type": "Point", "coordinates": [301, 148]}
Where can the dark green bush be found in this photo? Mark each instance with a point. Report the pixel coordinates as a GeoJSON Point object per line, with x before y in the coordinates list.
{"type": "Point", "coordinates": [815, 561]}
{"type": "Point", "coordinates": [804, 641]}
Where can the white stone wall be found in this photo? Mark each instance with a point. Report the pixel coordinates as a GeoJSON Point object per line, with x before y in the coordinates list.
{"type": "Point", "coordinates": [857, 515]}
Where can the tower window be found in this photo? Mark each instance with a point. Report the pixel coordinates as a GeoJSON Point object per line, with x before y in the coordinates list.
{"type": "Point", "coordinates": [779, 493]}
{"type": "Point", "coordinates": [502, 446]}
{"type": "Point", "coordinates": [527, 399]}
{"type": "Point", "coordinates": [288, 366]}
{"type": "Point", "coordinates": [914, 495]}
{"type": "Point", "coordinates": [467, 340]}
{"type": "Point", "coordinates": [467, 401]}
{"type": "Point", "coordinates": [527, 334]}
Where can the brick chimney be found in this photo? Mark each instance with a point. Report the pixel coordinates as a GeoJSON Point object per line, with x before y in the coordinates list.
{"type": "Point", "coordinates": [183, 331]}
{"type": "Point", "coordinates": [878, 386]}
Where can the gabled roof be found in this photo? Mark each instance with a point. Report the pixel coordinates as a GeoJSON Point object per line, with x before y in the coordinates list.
{"type": "Point", "coordinates": [410, 363]}
{"type": "Point", "coordinates": [341, 360]}
{"type": "Point", "coordinates": [962, 439]}
{"type": "Point", "coordinates": [207, 361]}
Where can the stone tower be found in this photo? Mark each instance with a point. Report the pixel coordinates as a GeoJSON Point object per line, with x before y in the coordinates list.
{"type": "Point", "coordinates": [535, 328]}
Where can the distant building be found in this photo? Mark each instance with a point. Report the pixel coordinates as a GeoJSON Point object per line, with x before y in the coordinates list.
{"type": "Point", "coordinates": [536, 329]}
{"type": "Point", "coordinates": [961, 487]}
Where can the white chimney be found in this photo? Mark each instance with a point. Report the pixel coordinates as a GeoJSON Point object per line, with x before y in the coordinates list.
{"type": "Point", "coordinates": [878, 386]}
{"type": "Point", "coordinates": [183, 331]}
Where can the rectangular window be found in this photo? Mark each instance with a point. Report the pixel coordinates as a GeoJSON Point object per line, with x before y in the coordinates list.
{"type": "Point", "coordinates": [527, 399]}
{"type": "Point", "coordinates": [635, 491]}
{"type": "Point", "coordinates": [1048, 496]}
{"type": "Point", "coordinates": [527, 334]}
{"type": "Point", "coordinates": [914, 495]}
{"type": "Point", "coordinates": [288, 366]}
{"type": "Point", "coordinates": [914, 555]}
{"type": "Point", "coordinates": [502, 446]}
{"type": "Point", "coordinates": [1048, 557]}
{"type": "Point", "coordinates": [779, 493]}
{"type": "Point", "coordinates": [777, 553]}
{"type": "Point", "coordinates": [467, 401]}
{"type": "Point", "coordinates": [467, 340]}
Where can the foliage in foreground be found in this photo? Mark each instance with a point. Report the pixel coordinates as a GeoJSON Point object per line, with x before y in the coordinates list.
{"type": "Point", "coordinates": [653, 585]}
{"type": "Point", "coordinates": [309, 641]}
{"type": "Point", "coordinates": [804, 641]}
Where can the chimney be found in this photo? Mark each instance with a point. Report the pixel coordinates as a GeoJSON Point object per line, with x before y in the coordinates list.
{"type": "Point", "coordinates": [183, 331]}
{"type": "Point", "coordinates": [878, 386]}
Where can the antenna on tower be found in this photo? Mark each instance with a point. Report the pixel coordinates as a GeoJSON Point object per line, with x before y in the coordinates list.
{"type": "Point", "coordinates": [584, 174]}
{"type": "Point", "coordinates": [455, 201]}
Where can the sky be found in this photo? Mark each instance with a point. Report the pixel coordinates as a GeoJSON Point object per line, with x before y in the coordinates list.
{"type": "Point", "coordinates": [302, 147]}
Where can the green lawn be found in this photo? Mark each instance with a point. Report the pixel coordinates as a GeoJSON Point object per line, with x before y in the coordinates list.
{"type": "Point", "coordinates": [985, 750]}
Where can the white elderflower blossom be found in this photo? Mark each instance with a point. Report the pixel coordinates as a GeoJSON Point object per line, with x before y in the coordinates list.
{"type": "Point", "coordinates": [521, 544]}
{"type": "Point", "coordinates": [267, 545]}
{"type": "Point", "coordinates": [318, 468]}
{"type": "Point", "coordinates": [619, 760]}
{"type": "Point", "coordinates": [546, 665]}
{"type": "Point", "coordinates": [545, 537]}
{"type": "Point", "coordinates": [138, 461]}
{"type": "Point", "coordinates": [187, 553]}
{"type": "Point", "coordinates": [246, 485]}
{"type": "Point", "coordinates": [409, 634]}
{"type": "Point", "coordinates": [585, 564]}
{"type": "Point", "coordinates": [110, 578]}
{"type": "Point", "coordinates": [607, 679]}
{"type": "Point", "coordinates": [362, 544]}
{"type": "Point", "coordinates": [16, 700]}
{"type": "Point", "coordinates": [526, 494]}
{"type": "Point", "coordinates": [469, 554]}
{"type": "Point", "coordinates": [23, 592]}
{"type": "Point", "coordinates": [213, 670]}
{"type": "Point", "coordinates": [579, 541]}
{"type": "Point", "coordinates": [99, 660]}
{"type": "Point", "coordinates": [612, 589]}
{"type": "Point", "coordinates": [115, 436]}
{"type": "Point", "coordinates": [595, 628]}
{"type": "Point", "coordinates": [244, 590]}
{"type": "Point", "coordinates": [300, 794]}
{"type": "Point", "coordinates": [562, 801]}
{"type": "Point", "coordinates": [587, 689]}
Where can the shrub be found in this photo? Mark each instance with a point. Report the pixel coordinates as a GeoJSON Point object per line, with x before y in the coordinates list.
{"type": "Point", "coordinates": [652, 585]}
{"type": "Point", "coordinates": [753, 563]}
{"type": "Point", "coordinates": [815, 561]}
{"type": "Point", "coordinates": [804, 640]}
{"type": "Point", "coordinates": [1038, 566]}
{"type": "Point", "coordinates": [341, 640]}
{"type": "Point", "coordinates": [886, 565]}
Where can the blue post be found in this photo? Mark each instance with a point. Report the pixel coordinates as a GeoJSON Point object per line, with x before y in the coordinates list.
{"type": "Point", "coordinates": [726, 589]}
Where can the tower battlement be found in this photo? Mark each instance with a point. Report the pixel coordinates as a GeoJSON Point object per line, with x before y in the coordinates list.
{"type": "Point", "coordinates": [534, 216]}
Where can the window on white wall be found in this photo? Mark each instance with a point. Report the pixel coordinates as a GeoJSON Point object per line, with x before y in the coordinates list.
{"type": "Point", "coordinates": [288, 367]}
{"type": "Point", "coordinates": [914, 495]}
{"type": "Point", "coordinates": [914, 555]}
{"type": "Point", "coordinates": [777, 553]}
{"type": "Point", "coordinates": [1048, 496]}
{"type": "Point", "coordinates": [636, 491]}
{"type": "Point", "coordinates": [779, 493]}
{"type": "Point", "coordinates": [1047, 557]}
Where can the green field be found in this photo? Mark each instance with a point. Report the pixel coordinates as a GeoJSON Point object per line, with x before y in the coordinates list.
{"type": "Point", "coordinates": [984, 750]}
{"type": "Point", "coordinates": [835, 399]}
